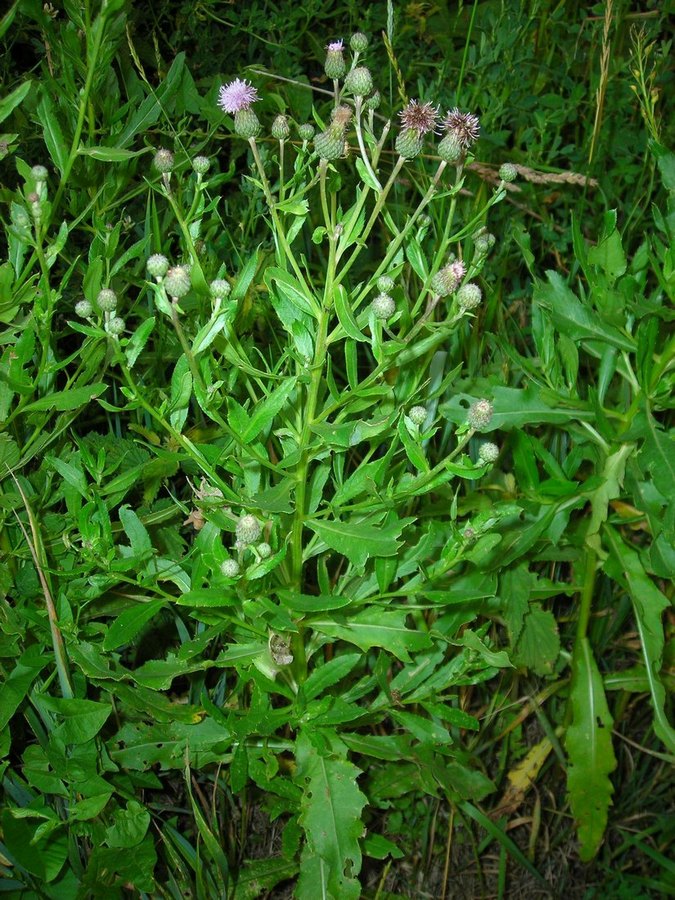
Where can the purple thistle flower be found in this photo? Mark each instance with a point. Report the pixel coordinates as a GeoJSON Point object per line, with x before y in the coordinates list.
{"type": "Point", "coordinates": [237, 95]}
{"type": "Point", "coordinates": [421, 117]}
{"type": "Point", "coordinates": [465, 127]}
{"type": "Point", "coordinates": [336, 46]}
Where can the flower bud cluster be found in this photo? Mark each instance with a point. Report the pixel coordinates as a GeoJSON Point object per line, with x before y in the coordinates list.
{"type": "Point", "coordinates": [447, 280]}
{"type": "Point", "coordinates": [383, 306]}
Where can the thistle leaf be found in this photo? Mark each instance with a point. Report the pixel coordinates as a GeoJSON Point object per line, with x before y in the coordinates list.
{"type": "Point", "coordinates": [590, 752]}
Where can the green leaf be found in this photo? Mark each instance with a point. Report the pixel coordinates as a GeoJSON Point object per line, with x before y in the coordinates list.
{"type": "Point", "coordinates": [289, 286]}
{"type": "Point", "coordinates": [81, 720]}
{"type": "Point", "coordinates": [648, 605]}
{"type": "Point", "coordinates": [52, 132]}
{"type": "Point", "coordinates": [575, 319]}
{"type": "Point", "coordinates": [11, 101]}
{"type": "Point", "coordinates": [589, 748]}
{"type": "Point", "coordinates": [538, 643]}
{"type": "Point", "coordinates": [150, 109]}
{"type": "Point", "coordinates": [43, 858]}
{"type": "Point", "coordinates": [127, 625]}
{"type": "Point", "coordinates": [17, 683]}
{"type": "Point", "coordinates": [330, 814]}
{"type": "Point", "coordinates": [265, 412]}
{"type": "Point", "coordinates": [130, 826]}
{"type": "Point", "coordinates": [376, 628]}
{"type": "Point", "coordinates": [608, 253]}
{"type": "Point", "coordinates": [134, 529]}
{"type": "Point", "coordinates": [345, 314]}
{"type": "Point", "coordinates": [62, 401]}
{"type": "Point", "coordinates": [365, 175]}
{"type": "Point", "coordinates": [359, 540]}
{"type": "Point", "coordinates": [658, 457]}
{"type": "Point", "coordinates": [138, 340]}
{"type": "Point", "coordinates": [111, 154]}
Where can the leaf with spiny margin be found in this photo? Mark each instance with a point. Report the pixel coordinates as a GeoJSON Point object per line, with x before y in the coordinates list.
{"type": "Point", "coordinates": [658, 457]}
{"type": "Point", "coordinates": [648, 605]}
{"type": "Point", "coordinates": [331, 809]}
{"type": "Point", "coordinates": [375, 628]}
{"type": "Point", "coordinates": [359, 540]}
{"type": "Point", "coordinates": [590, 753]}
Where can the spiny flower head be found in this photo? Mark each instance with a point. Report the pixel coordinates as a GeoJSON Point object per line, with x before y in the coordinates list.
{"type": "Point", "coordinates": [336, 46]}
{"type": "Point", "coordinates": [341, 116]}
{"type": "Point", "coordinates": [421, 117]}
{"type": "Point", "coordinates": [465, 127]}
{"type": "Point", "coordinates": [335, 66]}
{"type": "Point", "coordinates": [237, 95]}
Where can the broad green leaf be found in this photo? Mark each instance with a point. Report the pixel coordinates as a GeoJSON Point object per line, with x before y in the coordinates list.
{"type": "Point", "coordinates": [129, 827]}
{"type": "Point", "coordinates": [330, 815]}
{"type": "Point", "coordinates": [62, 401]}
{"type": "Point", "coordinates": [138, 340]}
{"type": "Point", "coordinates": [365, 175]}
{"type": "Point", "coordinates": [359, 540]}
{"type": "Point", "coordinates": [81, 720]}
{"type": "Point", "coordinates": [42, 858]}
{"type": "Point", "coordinates": [265, 412]}
{"type": "Point", "coordinates": [346, 315]}
{"type": "Point", "coordinates": [291, 289]}
{"type": "Point", "coordinates": [150, 109]}
{"type": "Point", "coordinates": [127, 625]}
{"type": "Point", "coordinates": [658, 457]}
{"type": "Point", "coordinates": [589, 748]}
{"type": "Point", "coordinates": [261, 875]}
{"type": "Point", "coordinates": [111, 154]}
{"type": "Point", "coordinates": [52, 132]}
{"type": "Point", "coordinates": [574, 318]}
{"type": "Point", "coordinates": [11, 101]}
{"type": "Point", "coordinates": [516, 407]}
{"type": "Point", "coordinates": [610, 489]}
{"type": "Point", "coordinates": [538, 643]}
{"type": "Point", "coordinates": [329, 674]}
{"type": "Point", "coordinates": [648, 605]}
{"type": "Point", "coordinates": [17, 684]}
{"type": "Point", "coordinates": [608, 253]}
{"type": "Point", "coordinates": [134, 529]}
{"type": "Point", "coordinates": [376, 628]}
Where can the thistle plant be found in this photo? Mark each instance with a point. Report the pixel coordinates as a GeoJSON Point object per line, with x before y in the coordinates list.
{"type": "Point", "coordinates": [272, 511]}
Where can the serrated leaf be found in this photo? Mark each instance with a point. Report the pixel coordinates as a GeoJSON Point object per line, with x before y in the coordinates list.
{"type": "Point", "coordinates": [62, 401]}
{"type": "Point", "coordinates": [345, 314]}
{"type": "Point", "coordinates": [265, 412]}
{"type": "Point", "coordinates": [376, 628]}
{"type": "Point", "coordinates": [14, 99]}
{"type": "Point", "coordinates": [359, 540]}
{"type": "Point", "coordinates": [574, 318]}
{"type": "Point", "coordinates": [330, 815]}
{"type": "Point", "coordinates": [648, 605]}
{"type": "Point", "coordinates": [138, 340]}
{"type": "Point", "coordinates": [127, 625]}
{"type": "Point", "coordinates": [658, 457]}
{"type": "Point", "coordinates": [589, 748]}
{"type": "Point", "coordinates": [52, 132]}
{"type": "Point", "coordinates": [538, 643]}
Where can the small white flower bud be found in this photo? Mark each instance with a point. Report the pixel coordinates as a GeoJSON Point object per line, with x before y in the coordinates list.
{"type": "Point", "coordinates": [230, 568]}
{"type": "Point", "coordinates": [480, 414]}
{"type": "Point", "coordinates": [306, 131]}
{"type": "Point", "coordinates": [163, 161]}
{"type": "Point", "coordinates": [115, 326]}
{"type": "Point", "coordinates": [359, 81]}
{"type": "Point", "coordinates": [418, 415]}
{"type": "Point", "coordinates": [39, 173]}
{"type": "Point", "coordinates": [488, 452]}
{"type": "Point", "coordinates": [383, 307]}
{"type": "Point", "coordinates": [177, 281]}
{"type": "Point", "coordinates": [358, 42]}
{"type": "Point", "coordinates": [264, 550]}
{"type": "Point", "coordinates": [157, 265]}
{"type": "Point", "coordinates": [106, 300]}
{"type": "Point", "coordinates": [220, 289]}
{"type": "Point", "coordinates": [201, 164]}
{"type": "Point", "coordinates": [83, 308]}
{"type": "Point", "coordinates": [469, 296]}
{"type": "Point", "coordinates": [248, 529]}
{"type": "Point", "coordinates": [508, 172]}
{"type": "Point", "coordinates": [385, 284]}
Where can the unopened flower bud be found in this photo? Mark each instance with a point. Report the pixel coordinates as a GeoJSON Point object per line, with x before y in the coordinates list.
{"type": "Point", "coordinates": [163, 161]}
{"type": "Point", "coordinates": [383, 307]}
{"type": "Point", "coordinates": [447, 280]}
{"type": "Point", "coordinates": [201, 164]}
{"type": "Point", "coordinates": [157, 265]}
{"type": "Point", "coordinates": [409, 143]}
{"type": "Point", "coordinates": [480, 414]}
{"type": "Point", "coordinates": [418, 415]}
{"type": "Point", "coordinates": [335, 66]}
{"type": "Point", "coordinates": [115, 326]}
{"type": "Point", "coordinates": [450, 149]}
{"type": "Point", "coordinates": [220, 288]}
{"type": "Point", "coordinates": [39, 173]}
{"type": "Point", "coordinates": [508, 172]}
{"type": "Point", "coordinates": [385, 284]}
{"type": "Point", "coordinates": [483, 242]}
{"type": "Point", "coordinates": [230, 568]}
{"type": "Point", "coordinates": [83, 308]}
{"type": "Point", "coordinates": [373, 102]}
{"type": "Point", "coordinates": [306, 131]}
{"type": "Point", "coordinates": [330, 144]}
{"type": "Point", "coordinates": [177, 281]}
{"type": "Point", "coordinates": [106, 300]}
{"type": "Point", "coordinates": [358, 42]}
{"type": "Point", "coordinates": [248, 529]}
{"type": "Point", "coordinates": [280, 129]}
{"type": "Point", "coordinates": [469, 296]}
{"type": "Point", "coordinates": [359, 81]}
{"type": "Point", "coordinates": [488, 452]}
{"type": "Point", "coordinates": [246, 123]}
{"type": "Point", "coordinates": [264, 550]}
